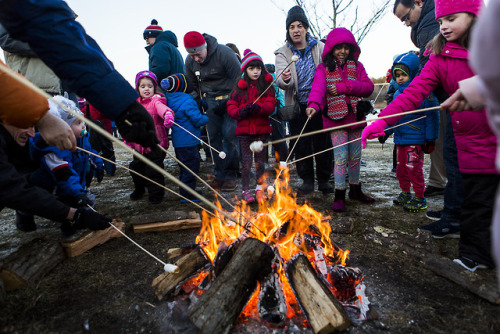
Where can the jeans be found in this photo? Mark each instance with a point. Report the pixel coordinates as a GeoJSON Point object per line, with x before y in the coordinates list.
{"type": "Point", "coordinates": [190, 157]}
{"type": "Point", "coordinates": [222, 137]}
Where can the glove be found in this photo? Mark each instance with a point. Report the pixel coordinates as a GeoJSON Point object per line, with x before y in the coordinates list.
{"type": "Point", "coordinates": [429, 146]}
{"type": "Point", "coordinates": [142, 131]}
{"type": "Point", "coordinates": [245, 111]}
{"type": "Point", "coordinates": [99, 173]}
{"type": "Point", "coordinates": [374, 130]}
{"type": "Point", "coordinates": [82, 200]}
{"type": "Point", "coordinates": [383, 138]}
{"type": "Point", "coordinates": [87, 218]}
{"type": "Point", "coordinates": [169, 120]}
{"type": "Point", "coordinates": [254, 109]}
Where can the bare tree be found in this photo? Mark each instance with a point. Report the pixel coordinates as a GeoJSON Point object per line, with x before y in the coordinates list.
{"type": "Point", "coordinates": [357, 17]}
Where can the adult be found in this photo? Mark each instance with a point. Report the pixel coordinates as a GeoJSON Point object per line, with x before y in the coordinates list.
{"type": "Point", "coordinates": [164, 57]}
{"type": "Point", "coordinates": [296, 82]}
{"type": "Point", "coordinates": [212, 69]}
{"type": "Point", "coordinates": [50, 29]}
{"type": "Point", "coordinates": [420, 16]}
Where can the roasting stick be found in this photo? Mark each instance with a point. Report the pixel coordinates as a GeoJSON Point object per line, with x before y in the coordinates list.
{"type": "Point", "coordinates": [146, 178]}
{"type": "Point", "coordinates": [105, 134]}
{"type": "Point", "coordinates": [352, 141]}
{"type": "Point", "coordinates": [198, 74]}
{"type": "Point", "coordinates": [222, 154]}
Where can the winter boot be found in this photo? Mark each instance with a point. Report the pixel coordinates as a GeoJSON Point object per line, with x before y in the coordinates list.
{"type": "Point", "coordinates": [137, 194]}
{"type": "Point", "coordinates": [325, 187]}
{"type": "Point", "coordinates": [339, 202]}
{"type": "Point", "coordinates": [25, 222]}
{"type": "Point", "coordinates": [306, 188]}
{"type": "Point", "coordinates": [357, 194]}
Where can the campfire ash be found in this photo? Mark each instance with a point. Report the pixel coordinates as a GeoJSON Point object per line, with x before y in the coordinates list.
{"type": "Point", "coordinates": [282, 268]}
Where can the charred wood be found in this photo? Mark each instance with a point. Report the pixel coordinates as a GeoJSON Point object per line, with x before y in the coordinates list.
{"type": "Point", "coordinates": [272, 304]}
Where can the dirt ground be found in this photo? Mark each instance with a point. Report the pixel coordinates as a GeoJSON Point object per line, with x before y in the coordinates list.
{"type": "Point", "coordinates": [109, 287]}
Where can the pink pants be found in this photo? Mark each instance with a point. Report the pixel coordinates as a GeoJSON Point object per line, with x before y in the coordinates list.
{"type": "Point", "coordinates": [410, 169]}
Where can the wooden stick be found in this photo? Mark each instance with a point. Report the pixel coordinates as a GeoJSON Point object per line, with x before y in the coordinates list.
{"type": "Point", "coordinates": [197, 73]}
{"type": "Point", "coordinates": [272, 83]}
{"type": "Point", "coordinates": [192, 134]}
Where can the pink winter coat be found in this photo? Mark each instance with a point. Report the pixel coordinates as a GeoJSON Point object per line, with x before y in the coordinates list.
{"type": "Point", "coordinates": [361, 87]}
{"type": "Point", "coordinates": [157, 107]}
{"type": "Point", "coordinates": [476, 143]}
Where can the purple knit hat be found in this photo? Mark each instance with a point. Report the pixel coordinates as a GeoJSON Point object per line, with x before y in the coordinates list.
{"type": "Point", "coordinates": [144, 74]}
{"type": "Point", "coordinates": [447, 7]}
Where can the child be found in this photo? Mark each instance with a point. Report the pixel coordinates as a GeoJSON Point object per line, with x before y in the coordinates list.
{"type": "Point", "coordinates": [339, 84]}
{"type": "Point", "coordinates": [413, 139]}
{"type": "Point", "coordinates": [252, 119]}
{"type": "Point", "coordinates": [163, 116]}
{"type": "Point", "coordinates": [189, 117]}
{"type": "Point", "coordinates": [476, 143]}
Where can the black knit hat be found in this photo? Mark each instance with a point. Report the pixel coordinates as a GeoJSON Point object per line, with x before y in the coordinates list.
{"type": "Point", "coordinates": [296, 13]}
{"type": "Point", "coordinates": [152, 30]}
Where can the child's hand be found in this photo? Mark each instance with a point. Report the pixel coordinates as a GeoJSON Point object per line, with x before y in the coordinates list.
{"type": "Point", "coordinates": [374, 130]}
{"type": "Point", "coordinates": [310, 112]}
{"type": "Point", "coordinates": [332, 90]}
{"type": "Point", "coordinates": [429, 146]}
{"type": "Point", "coordinates": [255, 109]}
{"type": "Point", "coordinates": [169, 120]}
{"type": "Point", "coordinates": [99, 174]}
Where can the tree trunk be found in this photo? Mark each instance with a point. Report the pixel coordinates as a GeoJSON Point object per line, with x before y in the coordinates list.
{"type": "Point", "coordinates": [219, 307]}
{"type": "Point", "coordinates": [323, 311]}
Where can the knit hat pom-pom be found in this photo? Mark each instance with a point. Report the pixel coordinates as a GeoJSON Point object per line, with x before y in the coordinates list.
{"type": "Point", "coordinates": [268, 78]}
{"type": "Point", "coordinates": [154, 22]}
{"type": "Point", "coordinates": [247, 51]}
{"type": "Point", "coordinates": [242, 84]}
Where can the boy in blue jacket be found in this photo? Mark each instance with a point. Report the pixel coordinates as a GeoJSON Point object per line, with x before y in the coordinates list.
{"type": "Point", "coordinates": [186, 131]}
{"type": "Point", "coordinates": [413, 139]}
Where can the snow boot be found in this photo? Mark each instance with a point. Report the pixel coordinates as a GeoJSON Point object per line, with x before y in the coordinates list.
{"type": "Point", "coordinates": [357, 194]}
{"type": "Point", "coordinates": [339, 202]}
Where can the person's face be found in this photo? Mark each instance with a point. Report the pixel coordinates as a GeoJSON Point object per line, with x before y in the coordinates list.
{"type": "Point", "coordinates": [254, 72]}
{"type": "Point", "coordinates": [146, 88]}
{"type": "Point", "coordinates": [409, 16]}
{"type": "Point", "coordinates": [400, 77]}
{"type": "Point", "coordinates": [297, 33]}
{"type": "Point", "coordinates": [77, 126]}
{"type": "Point", "coordinates": [21, 136]}
{"type": "Point", "coordinates": [341, 51]}
{"type": "Point", "coordinates": [150, 40]}
{"type": "Point", "coordinates": [199, 56]}
{"type": "Point", "coordinates": [453, 26]}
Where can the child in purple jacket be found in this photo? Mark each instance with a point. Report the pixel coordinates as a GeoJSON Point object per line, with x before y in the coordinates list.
{"type": "Point", "coordinates": [339, 84]}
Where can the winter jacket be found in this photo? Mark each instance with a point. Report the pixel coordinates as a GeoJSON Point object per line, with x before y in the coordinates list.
{"type": "Point", "coordinates": [98, 116]}
{"type": "Point", "coordinates": [283, 58]}
{"type": "Point", "coordinates": [426, 129]}
{"type": "Point", "coordinates": [361, 87]}
{"type": "Point", "coordinates": [218, 73]}
{"type": "Point", "coordinates": [157, 107]}
{"type": "Point", "coordinates": [164, 57]}
{"type": "Point", "coordinates": [50, 29]}
{"type": "Point", "coordinates": [424, 30]}
{"type": "Point", "coordinates": [188, 116]}
{"type": "Point", "coordinates": [67, 170]}
{"type": "Point", "coordinates": [476, 143]}
{"type": "Point", "coordinates": [256, 124]}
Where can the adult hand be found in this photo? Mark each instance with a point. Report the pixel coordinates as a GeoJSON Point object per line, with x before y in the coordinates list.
{"type": "Point", "coordinates": [429, 146]}
{"type": "Point", "coordinates": [56, 132]}
{"type": "Point", "coordinates": [82, 200]}
{"type": "Point", "coordinates": [456, 102]}
{"type": "Point", "coordinates": [332, 90]}
{"type": "Point", "coordinates": [87, 218]}
{"type": "Point", "coordinates": [374, 130]}
{"type": "Point", "coordinates": [136, 125]}
{"type": "Point", "coordinates": [310, 112]}
{"type": "Point", "coordinates": [287, 75]}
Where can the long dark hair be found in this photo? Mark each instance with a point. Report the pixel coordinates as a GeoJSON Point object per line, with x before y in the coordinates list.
{"type": "Point", "coordinates": [436, 45]}
{"type": "Point", "coordinates": [331, 62]}
{"type": "Point", "coordinates": [239, 92]}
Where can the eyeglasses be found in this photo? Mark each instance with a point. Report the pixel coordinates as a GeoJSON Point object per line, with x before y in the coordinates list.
{"type": "Point", "coordinates": [406, 18]}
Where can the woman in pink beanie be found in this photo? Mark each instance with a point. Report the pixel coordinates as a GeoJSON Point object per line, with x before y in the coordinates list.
{"type": "Point", "coordinates": [476, 143]}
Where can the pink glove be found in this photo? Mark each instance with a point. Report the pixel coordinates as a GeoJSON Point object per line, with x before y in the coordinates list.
{"type": "Point", "coordinates": [168, 121]}
{"type": "Point", "coordinates": [374, 130]}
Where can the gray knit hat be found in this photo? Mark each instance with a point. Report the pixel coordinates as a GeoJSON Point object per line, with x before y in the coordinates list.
{"type": "Point", "coordinates": [296, 13]}
{"type": "Point", "coordinates": [56, 110]}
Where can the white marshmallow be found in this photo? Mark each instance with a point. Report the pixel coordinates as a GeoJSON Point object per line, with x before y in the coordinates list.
{"type": "Point", "coordinates": [222, 155]}
{"type": "Point", "coordinates": [256, 146]}
{"type": "Point", "coordinates": [171, 268]}
{"type": "Point", "coordinates": [295, 58]}
{"type": "Point", "coordinates": [283, 165]}
{"type": "Point", "coordinates": [270, 190]}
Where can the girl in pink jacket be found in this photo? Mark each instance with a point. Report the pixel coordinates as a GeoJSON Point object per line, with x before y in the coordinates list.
{"type": "Point", "coordinates": [476, 143]}
{"type": "Point", "coordinates": [163, 116]}
{"type": "Point", "coordinates": [339, 84]}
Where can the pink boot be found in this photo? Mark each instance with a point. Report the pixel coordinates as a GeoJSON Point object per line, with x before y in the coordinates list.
{"type": "Point", "coordinates": [339, 202]}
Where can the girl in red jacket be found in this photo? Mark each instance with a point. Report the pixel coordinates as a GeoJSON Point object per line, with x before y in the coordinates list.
{"type": "Point", "coordinates": [253, 122]}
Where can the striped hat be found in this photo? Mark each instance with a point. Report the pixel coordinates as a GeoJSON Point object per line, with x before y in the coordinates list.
{"type": "Point", "coordinates": [175, 83]}
{"type": "Point", "coordinates": [248, 56]}
{"type": "Point", "coordinates": [152, 30]}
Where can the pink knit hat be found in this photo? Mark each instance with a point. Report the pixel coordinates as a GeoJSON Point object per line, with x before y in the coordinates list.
{"type": "Point", "coordinates": [447, 7]}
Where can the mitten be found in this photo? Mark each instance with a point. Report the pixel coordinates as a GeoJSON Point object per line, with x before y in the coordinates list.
{"type": "Point", "coordinates": [255, 109]}
{"type": "Point", "coordinates": [87, 218]}
{"type": "Point", "coordinates": [203, 105]}
{"type": "Point", "coordinates": [168, 121]}
{"type": "Point", "coordinates": [382, 139]}
{"type": "Point", "coordinates": [82, 200]}
{"type": "Point", "coordinates": [374, 130]}
{"type": "Point", "coordinates": [429, 146]}
{"type": "Point", "coordinates": [136, 125]}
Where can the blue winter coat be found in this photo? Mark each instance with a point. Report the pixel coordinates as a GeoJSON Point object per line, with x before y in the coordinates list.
{"type": "Point", "coordinates": [188, 116]}
{"type": "Point", "coordinates": [78, 165]}
{"type": "Point", "coordinates": [425, 129]}
{"type": "Point", "coordinates": [164, 57]}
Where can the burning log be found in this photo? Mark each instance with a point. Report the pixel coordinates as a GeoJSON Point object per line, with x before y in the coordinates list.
{"type": "Point", "coordinates": [225, 253]}
{"type": "Point", "coordinates": [188, 265]}
{"type": "Point", "coordinates": [30, 263]}
{"type": "Point", "coordinates": [166, 221]}
{"type": "Point", "coordinates": [219, 307]}
{"type": "Point", "coordinates": [272, 303]}
{"type": "Point", "coordinates": [323, 311]}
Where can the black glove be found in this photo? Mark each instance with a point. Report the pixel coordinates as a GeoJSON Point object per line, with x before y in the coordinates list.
{"type": "Point", "coordinates": [99, 174]}
{"type": "Point", "coordinates": [245, 111]}
{"type": "Point", "coordinates": [87, 218]}
{"type": "Point", "coordinates": [141, 129]}
{"type": "Point", "coordinates": [203, 105]}
{"type": "Point", "coordinates": [429, 146]}
{"type": "Point", "coordinates": [382, 139]}
{"type": "Point", "coordinates": [255, 109]}
{"type": "Point", "coordinates": [82, 201]}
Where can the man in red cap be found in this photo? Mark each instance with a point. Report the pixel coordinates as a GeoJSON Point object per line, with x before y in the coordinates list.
{"type": "Point", "coordinates": [213, 69]}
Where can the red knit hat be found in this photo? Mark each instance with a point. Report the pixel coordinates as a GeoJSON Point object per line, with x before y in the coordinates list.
{"type": "Point", "coordinates": [152, 30]}
{"type": "Point", "coordinates": [447, 7]}
{"type": "Point", "coordinates": [194, 42]}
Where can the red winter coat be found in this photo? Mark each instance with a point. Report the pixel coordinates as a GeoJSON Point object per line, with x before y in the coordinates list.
{"type": "Point", "coordinates": [258, 124]}
{"type": "Point", "coordinates": [96, 115]}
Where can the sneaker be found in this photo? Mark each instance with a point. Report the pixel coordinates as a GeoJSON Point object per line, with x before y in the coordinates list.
{"type": "Point", "coordinates": [415, 205]}
{"type": "Point", "coordinates": [442, 229]}
{"type": "Point", "coordinates": [229, 185]}
{"type": "Point", "coordinates": [469, 264]}
{"type": "Point", "coordinates": [247, 196]}
{"type": "Point", "coordinates": [137, 194]}
{"type": "Point", "coordinates": [393, 173]}
{"type": "Point", "coordinates": [402, 199]}
{"type": "Point", "coordinates": [434, 215]}
{"type": "Point", "coordinates": [433, 191]}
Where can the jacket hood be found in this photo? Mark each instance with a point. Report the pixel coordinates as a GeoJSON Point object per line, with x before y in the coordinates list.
{"type": "Point", "coordinates": [168, 36]}
{"type": "Point", "coordinates": [411, 60]}
{"type": "Point", "coordinates": [211, 44]}
{"type": "Point", "coordinates": [339, 36]}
